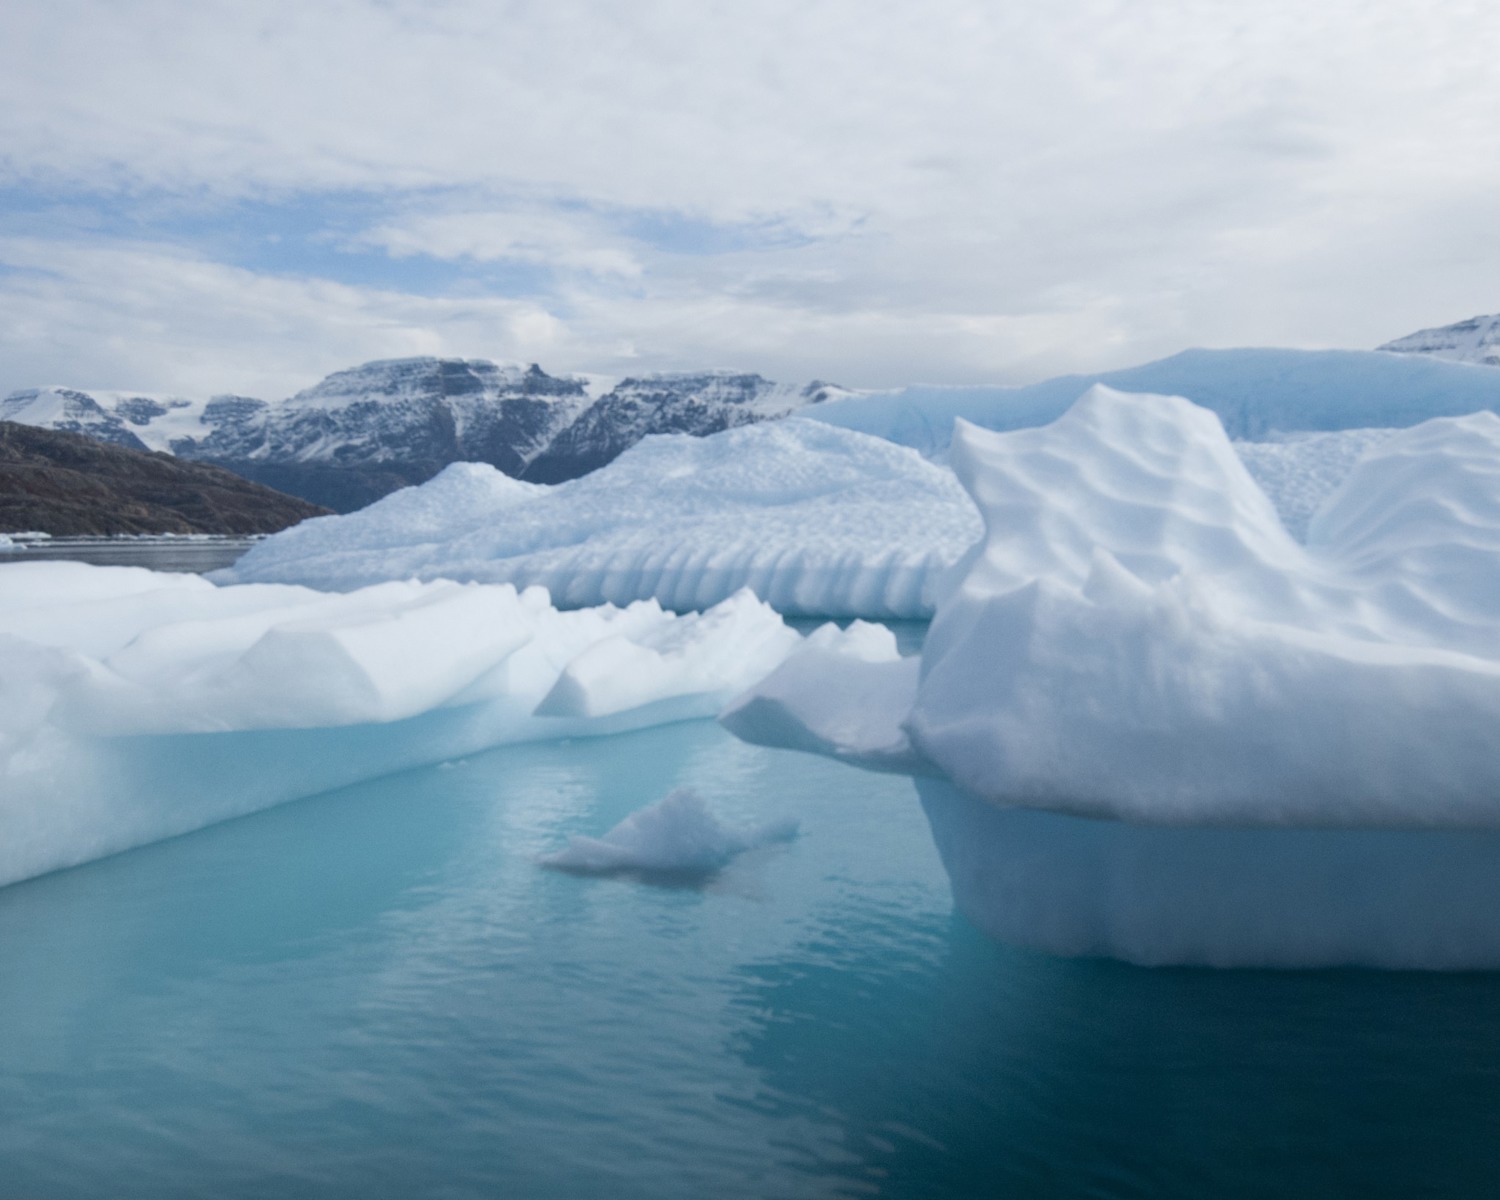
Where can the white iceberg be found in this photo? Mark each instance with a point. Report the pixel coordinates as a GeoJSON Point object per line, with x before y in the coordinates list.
{"type": "Point", "coordinates": [1149, 723]}
{"type": "Point", "coordinates": [815, 520]}
{"type": "Point", "coordinates": [136, 705]}
{"type": "Point", "coordinates": [677, 836]}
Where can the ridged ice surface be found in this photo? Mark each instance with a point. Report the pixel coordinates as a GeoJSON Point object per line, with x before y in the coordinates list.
{"type": "Point", "coordinates": [815, 520]}
{"type": "Point", "coordinates": [1139, 639]}
{"type": "Point", "coordinates": [136, 705]}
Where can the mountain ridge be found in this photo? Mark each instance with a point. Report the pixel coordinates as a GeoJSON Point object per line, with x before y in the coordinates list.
{"type": "Point", "coordinates": [1475, 340]}
{"type": "Point", "coordinates": [365, 431]}
{"type": "Point", "coordinates": [362, 432]}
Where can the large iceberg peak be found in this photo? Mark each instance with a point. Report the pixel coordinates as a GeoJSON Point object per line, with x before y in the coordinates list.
{"type": "Point", "coordinates": [1152, 479]}
{"type": "Point", "coordinates": [1139, 637]}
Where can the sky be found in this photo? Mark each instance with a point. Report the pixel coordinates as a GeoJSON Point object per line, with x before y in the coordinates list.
{"type": "Point", "coordinates": [245, 195]}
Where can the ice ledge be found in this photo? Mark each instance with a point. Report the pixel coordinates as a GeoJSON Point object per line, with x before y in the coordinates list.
{"type": "Point", "coordinates": [135, 706]}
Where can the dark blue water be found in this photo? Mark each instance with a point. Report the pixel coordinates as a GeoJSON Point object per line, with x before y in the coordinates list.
{"type": "Point", "coordinates": [377, 993]}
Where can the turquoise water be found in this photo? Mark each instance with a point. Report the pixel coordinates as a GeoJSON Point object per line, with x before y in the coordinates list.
{"type": "Point", "coordinates": [377, 993]}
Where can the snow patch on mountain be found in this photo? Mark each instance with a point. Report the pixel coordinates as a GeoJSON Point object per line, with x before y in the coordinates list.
{"type": "Point", "coordinates": [417, 415]}
{"type": "Point", "coordinates": [698, 404]}
{"type": "Point", "coordinates": [1476, 340]}
{"type": "Point", "coordinates": [135, 420]}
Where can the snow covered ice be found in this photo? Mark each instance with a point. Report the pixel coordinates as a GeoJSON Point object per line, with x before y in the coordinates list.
{"type": "Point", "coordinates": [135, 705]}
{"type": "Point", "coordinates": [1149, 723]}
{"type": "Point", "coordinates": [815, 520]}
{"type": "Point", "coordinates": [676, 836]}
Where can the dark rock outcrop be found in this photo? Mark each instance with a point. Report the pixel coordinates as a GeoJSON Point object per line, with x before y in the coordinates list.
{"type": "Point", "coordinates": [70, 485]}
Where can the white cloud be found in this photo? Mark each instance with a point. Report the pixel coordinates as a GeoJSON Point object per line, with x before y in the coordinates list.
{"type": "Point", "coordinates": [968, 189]}
{"type": "Point", "coordinates": [567, 242]}
{"type": "Point", "coordinates": [150, 317]}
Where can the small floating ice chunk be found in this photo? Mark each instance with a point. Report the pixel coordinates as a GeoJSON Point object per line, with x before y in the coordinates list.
{"type": "Point", "coordinates": [677, 835]}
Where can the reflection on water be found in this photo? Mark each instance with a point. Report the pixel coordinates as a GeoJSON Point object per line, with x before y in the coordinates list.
{"type": "Point", "coordinates": [967, 1068]}
{"type": "Point", "coordinates": [379, 993]}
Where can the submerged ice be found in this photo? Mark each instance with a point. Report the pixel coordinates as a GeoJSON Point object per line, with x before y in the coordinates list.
{"type": "Point", "coordinates": [1149, 722]}
{"type": "Point", "coordinates": [135, 705]}
{"type": "Point", "coordinates": [676, 836]}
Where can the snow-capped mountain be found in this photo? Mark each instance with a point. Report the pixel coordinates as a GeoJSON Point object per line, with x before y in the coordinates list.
{"type": "Point", "coordinates": [363, 432]}
{"type": "Point", "coordinates": [699, 404]}
{"type": "Point", "coordinates": [1476, 340]}
{"type": "Point", "coordinates": [399, 411]}
{"type": "Point", "coordinates": [131, 419]}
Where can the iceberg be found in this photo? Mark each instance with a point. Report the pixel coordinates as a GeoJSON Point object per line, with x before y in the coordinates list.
{"type": "Point", "coordinates": [136, 705]}
{"type": "Point", "coordinates": [1150, 723]}
{"type": "Point", "coordinates": [815, 520]}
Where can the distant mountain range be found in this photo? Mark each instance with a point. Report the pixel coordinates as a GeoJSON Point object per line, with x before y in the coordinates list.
{"type": "Point", "coordinates": [366, 431]}
{"type": "Point", "coordinates": [369, 430]}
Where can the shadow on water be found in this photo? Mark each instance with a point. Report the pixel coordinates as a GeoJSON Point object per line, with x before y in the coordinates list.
{"type": "Point", "coordinates": [958, 1067]}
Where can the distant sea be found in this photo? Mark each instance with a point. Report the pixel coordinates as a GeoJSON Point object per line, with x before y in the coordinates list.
{"type": "Point", "coordinates": [194, 554]}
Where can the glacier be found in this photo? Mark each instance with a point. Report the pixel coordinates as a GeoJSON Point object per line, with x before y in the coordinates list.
{"type": "Point", "coordinates": [1148, 722]}
{"type": "Point", "coordinates": [135, 705]}
{"type": "Point", "coordinates": [814, 519]}
{"type": "Point", "coordinates": [1256, 393]}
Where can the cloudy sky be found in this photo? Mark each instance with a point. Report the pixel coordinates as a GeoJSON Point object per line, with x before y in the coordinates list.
{"type": "Point", "coordinates": [211, 195]}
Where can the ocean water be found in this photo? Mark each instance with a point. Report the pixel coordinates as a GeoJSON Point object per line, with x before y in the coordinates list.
{"type": "Point", "coordinates": [189, 555]}
{"type": "Point", "coordinates": [379, 993]}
